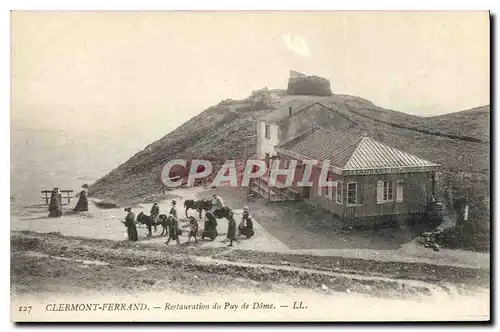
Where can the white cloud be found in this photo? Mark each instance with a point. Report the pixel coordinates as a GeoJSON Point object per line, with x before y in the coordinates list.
{"type": "Point", "coordinates": [296, 44]}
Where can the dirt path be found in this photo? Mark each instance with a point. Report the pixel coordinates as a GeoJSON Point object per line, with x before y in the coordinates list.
{"type": "Point", "coordinates": [248, 264]}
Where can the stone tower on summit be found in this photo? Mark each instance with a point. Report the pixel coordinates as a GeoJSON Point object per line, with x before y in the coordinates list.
{"type": "Point", "coordinates": [302, 84]}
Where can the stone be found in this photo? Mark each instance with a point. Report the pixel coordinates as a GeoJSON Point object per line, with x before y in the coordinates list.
{"type": "Point", "coordinates": [308, 85]}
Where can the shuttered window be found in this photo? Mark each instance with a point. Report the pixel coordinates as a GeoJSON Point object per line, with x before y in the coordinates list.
{"type": "Point", "coordinates": [329, 189]}
{"type": "Point", "coordinates": [338, 194]}
{"type": "Point", "coordinates": [268, 131]}
{"type": "Point", "coordinates": [399, 191]}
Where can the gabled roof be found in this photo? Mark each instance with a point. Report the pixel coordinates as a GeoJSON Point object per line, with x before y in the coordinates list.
{"type": "Point", "coordinates": [282, 112]}
{"type": "Point", "coordinates": [351, 152]}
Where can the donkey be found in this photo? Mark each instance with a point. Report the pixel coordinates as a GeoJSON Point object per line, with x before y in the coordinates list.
{"type": "Point", "coordinates": [198, 205]}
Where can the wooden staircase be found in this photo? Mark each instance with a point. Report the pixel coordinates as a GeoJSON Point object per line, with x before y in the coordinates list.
{"type": "Point", "coordinates": [272, 194]}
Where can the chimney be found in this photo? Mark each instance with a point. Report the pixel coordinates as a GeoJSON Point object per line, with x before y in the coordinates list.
{"type": "Point", "coordinates": [289, 110]}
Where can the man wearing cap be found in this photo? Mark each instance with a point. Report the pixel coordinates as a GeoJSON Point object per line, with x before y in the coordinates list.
{"type": "Point", "coordinates": [173, 210]}
{"type": "Point", "coordinates": [130, 224]}
{"type": "Point", "coordinates": [154, 213]}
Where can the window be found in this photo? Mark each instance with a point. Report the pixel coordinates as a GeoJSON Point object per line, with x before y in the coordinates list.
{"type": "Point", "coordinates": [338, 196]}
{"type": "Point", "coordinates": [387, 190]}
{"type": "Point", "coordinates": [268, 131]}
{"type": "Point", "coordinates": [352, 189]}
{"type": "Point", "coordinates": [384, 192]}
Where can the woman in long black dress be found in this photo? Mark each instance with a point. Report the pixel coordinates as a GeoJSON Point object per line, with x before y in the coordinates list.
{"type": "Point", "coordinates": [55, 205]}
{"type": "Point", "coordinates": [83, 201]}
{"type": "Point", "coordinates": [210, 227]}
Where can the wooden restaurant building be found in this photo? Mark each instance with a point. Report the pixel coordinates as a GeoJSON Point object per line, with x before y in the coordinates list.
{"type": "Point", "coordinates": [372, 182]}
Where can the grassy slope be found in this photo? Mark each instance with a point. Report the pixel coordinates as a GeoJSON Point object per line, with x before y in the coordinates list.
{"type": "Point", "coordinates": [459, 141]}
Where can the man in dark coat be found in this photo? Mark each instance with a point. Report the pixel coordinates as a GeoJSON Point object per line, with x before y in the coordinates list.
{"type": "Point", "coordinates": [83, 201]}
{"type": "Point", "coordinates": [173, 210]}
{"type": "Point", "coordinates": [130, 224]}
{"type": "Point", "coordinates": [55, 205]}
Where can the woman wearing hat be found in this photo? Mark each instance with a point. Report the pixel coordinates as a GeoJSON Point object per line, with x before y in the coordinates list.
{"type": "Point", "coordinates": [130, 224]}
{"type": "Point", "coordinates": [55, 205]}
{"type": "Point", "coordinates": [83, 201]}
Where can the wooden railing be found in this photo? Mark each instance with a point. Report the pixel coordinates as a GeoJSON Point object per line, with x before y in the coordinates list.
{"type": "Point", "coordinates": [46, 195]}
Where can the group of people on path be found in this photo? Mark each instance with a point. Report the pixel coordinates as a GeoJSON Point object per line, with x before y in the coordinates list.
{"type": "Point", "coordinates": [55, 204]}
{"type": "Point", "coordinates": [174, 230]}
{"type": "Point", "coordinates": [170, 220]}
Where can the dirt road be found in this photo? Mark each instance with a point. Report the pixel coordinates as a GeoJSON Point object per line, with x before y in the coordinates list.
{"type": "Point", "coordinates": [32, 251]}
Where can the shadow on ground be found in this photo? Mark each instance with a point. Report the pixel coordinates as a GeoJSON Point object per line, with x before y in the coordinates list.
{"type": "Point", "coordinates": [300, 226]}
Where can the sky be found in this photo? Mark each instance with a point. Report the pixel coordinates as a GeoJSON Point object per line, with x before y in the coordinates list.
{"type": "Point", "coordinates": [126, 72]}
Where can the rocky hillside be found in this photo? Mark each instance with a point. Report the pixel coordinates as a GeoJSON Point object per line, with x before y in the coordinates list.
{"type": "Point", "coordinates": [474, 122]}
{"type": "Point", "coordinates": [459, 141]}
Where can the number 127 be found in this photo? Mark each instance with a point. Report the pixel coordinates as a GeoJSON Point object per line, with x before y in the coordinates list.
{"type": "Point", "coordinates": [25, 308]}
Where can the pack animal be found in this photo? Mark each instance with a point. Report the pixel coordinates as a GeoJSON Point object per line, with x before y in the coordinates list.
{"type": "Point", "coordinates": [150, 222]}
{"type": "Point", "coordinates": [198, 205]}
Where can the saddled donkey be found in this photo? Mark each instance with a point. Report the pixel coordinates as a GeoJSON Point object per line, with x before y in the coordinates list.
{"type": "Point", "coordinates": [198, 205]}
{"type": "Point", "coordinates": [148, 221]}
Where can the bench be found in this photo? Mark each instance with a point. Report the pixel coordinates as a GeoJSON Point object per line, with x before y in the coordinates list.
{"type": "Point", "coordinates": [46, 195]}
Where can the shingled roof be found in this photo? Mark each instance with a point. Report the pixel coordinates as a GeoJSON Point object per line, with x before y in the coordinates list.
{"type": "Point", "coordinates": [352, 153]}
